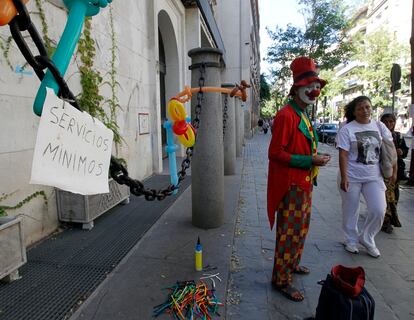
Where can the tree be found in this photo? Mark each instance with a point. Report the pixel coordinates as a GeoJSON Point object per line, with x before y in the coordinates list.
{"type": "Point", "coordinates": [264, 88]}
{"type": "Point", "coordinates": [266, 109]}
{"type": "Point", "coordinates": [271, 97]}
{"type": "Point", "coordinates": [378, 51]}
{"type": "Point", "coordinates": [278, 98]}
{"type": "Point", "coordinates": [336, 84]}
{"type": "Point", "coordinates": [323, 39]}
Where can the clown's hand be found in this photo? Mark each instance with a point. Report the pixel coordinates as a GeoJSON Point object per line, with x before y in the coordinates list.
{"type": "Point", "coordinates": [320, 159]}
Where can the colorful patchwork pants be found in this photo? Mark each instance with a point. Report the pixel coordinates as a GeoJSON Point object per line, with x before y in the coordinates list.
{"type": "Point", "coordinates": [392, 194]}
{"type": "Point", "coordinates": [292, 226]}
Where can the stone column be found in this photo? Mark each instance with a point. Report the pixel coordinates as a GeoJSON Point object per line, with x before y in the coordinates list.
{"type": "Point", "coordinates": [239, 127]}
{"type": "Point", "coordinates": [207, 166]}
{"type": "Point", "coordinates": [229, 131]}
{"type": "Point", "coordinates": [247, 122]}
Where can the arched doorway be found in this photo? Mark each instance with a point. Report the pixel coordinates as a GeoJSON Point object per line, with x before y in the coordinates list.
{"type": "Point", "coordinates": [163, 99]}
{"type": "Point", "coordinates": [169, 71]}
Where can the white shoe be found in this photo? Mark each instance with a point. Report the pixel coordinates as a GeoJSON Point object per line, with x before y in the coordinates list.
{"type": "Point", "coordinates": [372, 251]}
{"type": "Point", "coordinates": [351, 248]}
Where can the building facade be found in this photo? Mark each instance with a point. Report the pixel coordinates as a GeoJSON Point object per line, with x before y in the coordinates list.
{"type": "Point", "coordinates": [391, 15]}
{"type": "Point", "coordinates": [151, 39]}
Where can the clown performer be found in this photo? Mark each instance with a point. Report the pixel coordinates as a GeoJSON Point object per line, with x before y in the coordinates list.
{"type": "Point", "coordinates": [293, 167]}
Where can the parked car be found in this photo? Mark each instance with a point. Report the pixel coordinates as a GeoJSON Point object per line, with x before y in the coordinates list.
{"type": "Point", "coordinates": [327, 132]}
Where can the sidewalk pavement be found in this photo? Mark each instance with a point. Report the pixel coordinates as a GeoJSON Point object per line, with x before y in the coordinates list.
{"type": "Point", "coordinates": [242, 250]}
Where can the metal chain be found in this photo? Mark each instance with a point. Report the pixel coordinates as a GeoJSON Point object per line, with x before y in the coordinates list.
{"type": "Point", "coordinates": [22, 22]}
{"type": "Point", "coordinates": [120, 174]}
{"type": "Point", "coordinates": [225, 115]}
{"type": "Point", "coordinates": [39, 63]}
{"type": "Point", "coordinates": [196, 124]}
{"type": "Point", "coordinates": [200, 96]}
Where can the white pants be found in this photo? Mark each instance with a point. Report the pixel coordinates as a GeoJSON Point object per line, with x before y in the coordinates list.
{"type": "Point", "coordinates": [374, 195]}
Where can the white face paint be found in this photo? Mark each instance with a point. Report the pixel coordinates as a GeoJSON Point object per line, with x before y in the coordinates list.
{"type": "Point", "coordinates": [308, 94]}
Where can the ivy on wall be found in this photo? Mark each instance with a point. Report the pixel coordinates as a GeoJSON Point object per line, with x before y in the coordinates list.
{"type": "Point", "coordinates": [45, 29]}
{"type": "Point", "coordinates": [113, 102]}
{"type": "Point", "coordinates": [90, 99]}
{"type": "Point", "coordinates": [4, 209]}
{"type": "Point", "coordinates": [5, 48]}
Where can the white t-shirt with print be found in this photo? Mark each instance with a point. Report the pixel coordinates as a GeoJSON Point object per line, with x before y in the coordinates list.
{"type": "Point", "coordinates": [363, 142]}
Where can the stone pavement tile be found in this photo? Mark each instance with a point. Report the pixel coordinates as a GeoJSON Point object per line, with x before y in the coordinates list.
{"type": "Point", "coordinates": [262, 211]}
{"type": "Point", "coordinates": [382, 310]}
{"type": "Point", "coordinates": [405, 271]}
{"type": "Point", "coordinates": [252, 261]}
{"type": "Point", "coordinates": [265, 230]}
{"type": "Point", "coordinates": [251, 230]}
{"type": "Point", "coordinates": [391, 251]}
{"type": "Point", "coordinates": [326, 244]}
{"type": "Point", "coordinates": [401, 297]}
{"type": "Point", "coordinates": [249, 311]}
{"type": "Point", "coordinates": [268, 244]}
{"type": "Point", "coordinates": [249, 209]}
{"type": "Point", "coordinates": [249, 246]}
{"type": "Point", "coordinates": [280, 305]}
{"type": "Point", "coordinates": [267, 256]}
{"type": "Point", "coordinates": [251, 221]}
{"type": "Point", "coordinates": [403, 234]}
{"type": "Point", "coordinates": [383, 277]}
{"type": "Point", "coordinates": [251, 282]}
{"type": "Point", "coordinates": [405, 310]}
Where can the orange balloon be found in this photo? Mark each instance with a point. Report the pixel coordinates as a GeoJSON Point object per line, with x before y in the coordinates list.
{"type": "Point", "coordinates": [8, 11]}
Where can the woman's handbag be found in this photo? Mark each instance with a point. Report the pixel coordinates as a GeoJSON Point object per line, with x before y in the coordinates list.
{"type": "Point", "coordinates": [388, 156]}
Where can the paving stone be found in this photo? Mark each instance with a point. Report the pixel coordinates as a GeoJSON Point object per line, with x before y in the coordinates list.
{"type": "Point", "coordinates": [389, 277]}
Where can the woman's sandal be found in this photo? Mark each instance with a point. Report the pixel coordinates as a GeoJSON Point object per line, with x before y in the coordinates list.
{"type": "Point", "coordinates": [301, 270]}
{"type": "Point", "coordinates": [291, 293]}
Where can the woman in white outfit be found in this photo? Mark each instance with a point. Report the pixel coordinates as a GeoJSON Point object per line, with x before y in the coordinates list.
{"type": "Point", "coordinates": [359, 143]}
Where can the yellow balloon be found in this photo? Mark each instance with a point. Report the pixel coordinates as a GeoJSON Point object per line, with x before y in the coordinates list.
{"type": "Point", "coordinates": [187, 139]}
{"type": "Point", "coordinates": [176, 110]}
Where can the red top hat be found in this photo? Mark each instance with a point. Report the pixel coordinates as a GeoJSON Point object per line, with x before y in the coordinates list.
{"type": "Point", "coordinates": [304, 73]}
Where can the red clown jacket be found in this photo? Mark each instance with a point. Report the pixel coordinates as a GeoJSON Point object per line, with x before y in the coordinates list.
{"type": "Point", "coordinates": [290, 156]}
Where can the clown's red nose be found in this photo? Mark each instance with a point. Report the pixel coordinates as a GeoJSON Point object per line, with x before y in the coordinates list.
{"type": "Point", "coordinates": [313, 94]}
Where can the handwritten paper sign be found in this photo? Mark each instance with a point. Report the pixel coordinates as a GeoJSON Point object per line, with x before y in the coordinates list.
{"type": "Point", "coordinates": [72, 150]}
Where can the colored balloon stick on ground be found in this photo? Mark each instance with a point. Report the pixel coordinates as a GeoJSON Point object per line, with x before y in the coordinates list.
{"type": "Point", "coordinates": [189, 300]}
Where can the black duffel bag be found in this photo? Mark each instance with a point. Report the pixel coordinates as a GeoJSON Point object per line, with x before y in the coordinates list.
{"type": "Point", "coordinates": [343, 296]}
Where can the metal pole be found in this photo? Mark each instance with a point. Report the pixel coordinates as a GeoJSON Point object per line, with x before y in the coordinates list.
{"type": "Point", "coordinates": [207, 170]}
